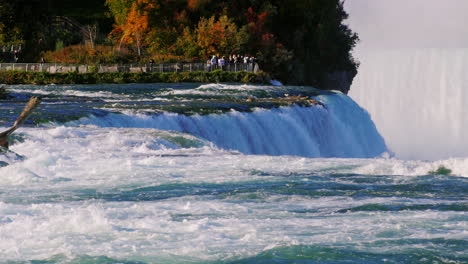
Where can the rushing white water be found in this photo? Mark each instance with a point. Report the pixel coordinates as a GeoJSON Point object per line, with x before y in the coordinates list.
{"type": "Point", "coordinates": [139, 195]}
{"type": "Point", "coordinates": [417, 98]}
{"type": "Point", "coordinates": [342, 129]}
{"type": "Point", "coordinates": [123, 188]}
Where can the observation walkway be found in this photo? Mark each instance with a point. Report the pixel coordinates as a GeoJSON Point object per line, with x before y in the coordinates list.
{"type": "Point", "coordinates": [163, 67]}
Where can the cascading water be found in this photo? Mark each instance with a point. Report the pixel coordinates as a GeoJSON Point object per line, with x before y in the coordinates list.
{"type": "Point", "coordinates": [342, 129]}
{"type": "Point", "coordinates": [145, 174]}
{"type": "Point", "coordinates": [417, 98]}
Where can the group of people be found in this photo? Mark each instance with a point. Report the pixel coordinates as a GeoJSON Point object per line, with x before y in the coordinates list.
{"type": "Point", "coordinates": [10, 55]}
{"type": "Point", "coordinates": [216, 60]}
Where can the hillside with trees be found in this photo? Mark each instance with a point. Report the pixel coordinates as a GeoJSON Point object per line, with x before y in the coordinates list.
{"type": "Point", "coordinates": [296, 41]}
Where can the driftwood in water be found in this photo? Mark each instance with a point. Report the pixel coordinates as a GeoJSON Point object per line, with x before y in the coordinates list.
{"type": "Point", "coordinates": [3, 93]}
{"type": "Point", "coordinates": [28, 109]}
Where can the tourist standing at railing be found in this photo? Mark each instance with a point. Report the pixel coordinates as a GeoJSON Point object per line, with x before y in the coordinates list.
{"type": "Point", "coordinates": [222, 63]}
{"type": "Point", "coordinates": [208, 64]}
{"type": "Point", "coordinates": [252, 62]}
{"type": "Point", "coordinates": [151, 64]}
{"type": "Point", "coordinates": [214, 62]}
{"type": "Point", "coordinates": [15, 55]}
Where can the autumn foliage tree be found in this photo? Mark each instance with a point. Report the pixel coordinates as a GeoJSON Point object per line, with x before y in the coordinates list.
{"type": "Point", "coordinates": [220, 36]}
{"type": "Point", "coordinates": [132, 20]}
{"type": "Point", "coordinates": [297, 41]}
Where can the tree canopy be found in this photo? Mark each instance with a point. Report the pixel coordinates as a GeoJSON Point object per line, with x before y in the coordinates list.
{"type": "Point", "coordinates": [297, 40]}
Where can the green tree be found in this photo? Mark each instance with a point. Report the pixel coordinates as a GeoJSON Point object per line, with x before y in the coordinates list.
{"type": "Point", "coordinates": [10, 33]}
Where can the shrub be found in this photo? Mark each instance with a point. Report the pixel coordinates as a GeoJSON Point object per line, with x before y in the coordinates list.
{"type": "Point", "coordinates": [85, 54]}
{"type": "Point", "coordinates": [22, 77]}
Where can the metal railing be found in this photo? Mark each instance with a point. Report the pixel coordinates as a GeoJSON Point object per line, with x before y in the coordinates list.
{"type": "Point", "coordinates": [163, 67]}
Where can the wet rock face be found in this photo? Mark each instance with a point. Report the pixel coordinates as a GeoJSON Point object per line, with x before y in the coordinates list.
{"type": "Point", "coordinates": [338, 80]}
{"type": "Point", "coordinates": [304, 74]}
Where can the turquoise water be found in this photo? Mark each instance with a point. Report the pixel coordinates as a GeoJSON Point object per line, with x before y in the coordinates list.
{"type": "Point", "coordinates": [103, 183]}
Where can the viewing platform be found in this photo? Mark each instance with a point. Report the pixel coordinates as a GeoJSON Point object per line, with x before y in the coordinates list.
{"type": "Point", "coordinates": [134, 68]}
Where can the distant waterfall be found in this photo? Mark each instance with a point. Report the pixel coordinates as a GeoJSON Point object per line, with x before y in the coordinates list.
{"type": "Point", "coordinates": [342, 129]}
{"type": "Point", "coordinates": [418, 100]}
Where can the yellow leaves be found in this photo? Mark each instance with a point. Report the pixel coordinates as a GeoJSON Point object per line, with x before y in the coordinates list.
{"type": "Point", "coordinates": [154, 27]}
{"type": "Point", "coordinates": [133, 24]}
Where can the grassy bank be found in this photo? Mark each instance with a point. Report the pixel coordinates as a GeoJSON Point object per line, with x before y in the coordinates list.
{"type": "Point", "coordinates": [23, 77]}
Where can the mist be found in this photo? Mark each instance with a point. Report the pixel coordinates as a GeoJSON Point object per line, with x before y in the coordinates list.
{"type": "Point", "coordinates": [409, 23]}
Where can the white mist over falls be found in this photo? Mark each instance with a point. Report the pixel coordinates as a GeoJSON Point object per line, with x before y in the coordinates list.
{"type": "Point", "coordinates": [417, 98]}
{"type": "Point", "coordinates": [413, 76]}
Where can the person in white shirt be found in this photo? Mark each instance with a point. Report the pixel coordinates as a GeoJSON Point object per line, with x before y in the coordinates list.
{"type": "Point", "coordinates": [222, 63]}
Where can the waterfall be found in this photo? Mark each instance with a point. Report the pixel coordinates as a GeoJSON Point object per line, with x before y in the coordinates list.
{"type": "Point", "coordinates": [417, 98]}
{"type": "Point", "coordinates": [341, 129]}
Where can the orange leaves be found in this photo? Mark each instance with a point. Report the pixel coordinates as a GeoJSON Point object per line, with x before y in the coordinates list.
{"type": "Point", "coordinates": [136, 24]}
{"type": "Point", "coordinates": [256, 22]}
{"type": "Point", "coordinates": [132, 20]}
{"type": "Point", "coordinates": [87, 55]}
{"type": "Point", "coordinates": [207, 35]}
{"type": "Point", "coordinates": [190, 27]}
{"type": "Point", "coordinates": [262, 39]}
{"type": "Point", "coordinates": [195, 4]}
{"type": "Point", "coordinates": [221, 36]}
{"type": "Point", "coordinates": [253, 17]}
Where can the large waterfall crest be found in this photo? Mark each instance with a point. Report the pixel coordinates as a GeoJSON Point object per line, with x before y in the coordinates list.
{"type": "Point", "coordinates": [342, 129]}
{"type": "Point", "coordinates": [417, 98]}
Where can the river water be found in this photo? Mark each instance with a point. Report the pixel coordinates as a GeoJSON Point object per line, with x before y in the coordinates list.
{"type": "Point", "coordinates": [189, 173]}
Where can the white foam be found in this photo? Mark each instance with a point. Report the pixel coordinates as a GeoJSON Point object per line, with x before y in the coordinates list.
{"type": "Point", "coordinates": [204, 230]}
{"type": "Point", "coordinates": [73, 193]}
{"type": "Point", "coordinates": [71, 92]}
{"type": "Point", "coordinates": [66, 162]}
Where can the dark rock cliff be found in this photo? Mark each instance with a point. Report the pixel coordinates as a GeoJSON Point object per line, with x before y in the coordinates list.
{"type": "Point", "coordinates": [338, 80]}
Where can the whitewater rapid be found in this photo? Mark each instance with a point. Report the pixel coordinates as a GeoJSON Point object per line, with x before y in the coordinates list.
{"type": "Point", "coordinates": [155, 196]}
{"type": "Point", "coordinates": [417, 99]}
{"type": "Point", "coordinates": [113, 177]}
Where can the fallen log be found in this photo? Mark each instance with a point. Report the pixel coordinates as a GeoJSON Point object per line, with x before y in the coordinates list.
{"type": "Point", "coordinates": [3, 92]}
{"type": "Point", "coordinates": [28, 109]}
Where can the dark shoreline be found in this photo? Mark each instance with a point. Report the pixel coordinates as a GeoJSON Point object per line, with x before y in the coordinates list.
{"type": "Point", "coordinates": [23, 77]}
